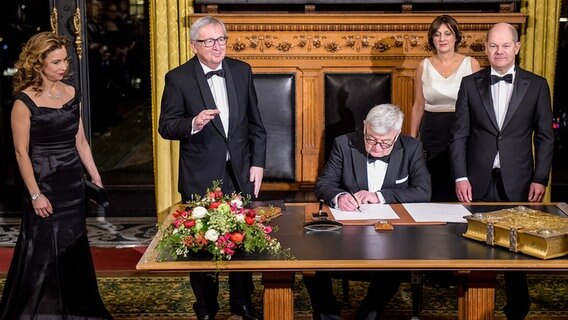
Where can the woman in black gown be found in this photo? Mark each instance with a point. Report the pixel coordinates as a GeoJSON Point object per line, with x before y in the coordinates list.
{"type": "Point", "coordinates": [51, 275]}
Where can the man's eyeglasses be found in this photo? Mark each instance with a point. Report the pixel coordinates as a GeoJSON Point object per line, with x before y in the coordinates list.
{"type": "Point", "coordinates": [211, 42]}
{"type": "Point", "coordinates": [384, 144]}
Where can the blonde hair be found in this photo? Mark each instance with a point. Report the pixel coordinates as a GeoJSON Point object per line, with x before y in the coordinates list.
{"type": "Point", "coordinates": [32, 58]}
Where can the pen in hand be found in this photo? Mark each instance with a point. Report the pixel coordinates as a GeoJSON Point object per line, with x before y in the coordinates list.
{"type": "Point", "coordinates": [358, 206]}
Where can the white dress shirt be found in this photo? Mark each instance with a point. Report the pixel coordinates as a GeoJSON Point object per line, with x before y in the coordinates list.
{"type": "Point", "coordinates": [501, 93]}
{"type": "Point", "coordinates": [219, 91]}
{"type": "Point", "coordinates": [376, 172]}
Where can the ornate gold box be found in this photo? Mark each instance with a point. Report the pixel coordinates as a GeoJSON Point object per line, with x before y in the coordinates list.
{"type": "Point", "coordinates": [521, 229]}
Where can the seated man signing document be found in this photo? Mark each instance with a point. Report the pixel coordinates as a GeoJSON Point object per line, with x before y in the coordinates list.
{"type": "Point", "coordinates": [377, 165]}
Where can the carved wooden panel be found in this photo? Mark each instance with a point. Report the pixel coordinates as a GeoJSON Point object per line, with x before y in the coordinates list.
{"type": "Point", "coordinates": [315, 44]}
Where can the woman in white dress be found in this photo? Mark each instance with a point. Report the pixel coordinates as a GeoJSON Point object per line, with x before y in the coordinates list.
{"type": "Point", "coordinates": [437, 83]}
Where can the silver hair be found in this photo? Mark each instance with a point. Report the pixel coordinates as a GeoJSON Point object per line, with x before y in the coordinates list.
{"type": "Point", "coordinates": [385, 117]}
{"type": "Point", "coordinates": [202, 22]}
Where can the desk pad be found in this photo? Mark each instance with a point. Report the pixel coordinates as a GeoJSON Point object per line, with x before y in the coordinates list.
{"type": "Point", "coordinates": [405, 217]}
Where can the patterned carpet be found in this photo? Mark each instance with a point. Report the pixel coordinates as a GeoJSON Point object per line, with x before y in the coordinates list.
{"type": "Point", "coordinates": [170, 297]}
{"type": "Point", "coordinates": [103, 232]}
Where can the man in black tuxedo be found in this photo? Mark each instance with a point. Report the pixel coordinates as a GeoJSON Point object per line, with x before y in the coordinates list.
{"type": "Point", "coordinates": [210, 105]}
{"type": "Point", "coordinates": [501, 113]}
{"type": "Point", "coordinates": [377, 165]}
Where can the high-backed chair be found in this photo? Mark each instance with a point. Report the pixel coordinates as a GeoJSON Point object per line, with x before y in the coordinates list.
{"type": "Point", "coordinates": [276, 100]}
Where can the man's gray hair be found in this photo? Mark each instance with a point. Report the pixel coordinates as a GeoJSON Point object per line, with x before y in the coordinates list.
{"type": "Point", "coordinates": [202, 22]}
{"type": "Point", "coordinates": [384, 118]}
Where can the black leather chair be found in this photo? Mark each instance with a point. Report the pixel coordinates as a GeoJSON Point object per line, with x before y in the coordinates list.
{"type": "Point", "coordinates": [276, 100]}
{"type": "Point", "coordinates": [348, 99]}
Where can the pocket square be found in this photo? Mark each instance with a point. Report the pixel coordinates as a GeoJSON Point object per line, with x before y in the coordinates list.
{"type": "Point", "coordinates": [96, 194]}
{"type": "Point", "coordinates": [399, 181]}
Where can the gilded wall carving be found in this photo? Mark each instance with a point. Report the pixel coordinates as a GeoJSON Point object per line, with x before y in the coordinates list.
{"type": "Point", "coordinates": [376, 43]}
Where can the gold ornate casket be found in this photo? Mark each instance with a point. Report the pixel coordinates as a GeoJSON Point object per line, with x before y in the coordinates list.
{"type": "Point", "coordinates": [521, 229]}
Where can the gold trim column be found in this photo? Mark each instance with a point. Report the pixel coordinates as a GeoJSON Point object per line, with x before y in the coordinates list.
{"type": "Point", "coordinates": [169, 46]}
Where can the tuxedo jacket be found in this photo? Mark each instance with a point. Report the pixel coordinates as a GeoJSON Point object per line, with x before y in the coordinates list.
{"type": "Point", "coordinates": [476, 136]}
{"type": "Point", "coordinates": [203, 155]}
{"type": "Point", "coordinates": [406, 180]}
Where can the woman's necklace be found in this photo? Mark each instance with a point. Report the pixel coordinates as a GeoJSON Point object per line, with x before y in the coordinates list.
{"type": "Point", "coordinates": [53, 96]}
{"type": "Point", "coordinates": [445, 67]}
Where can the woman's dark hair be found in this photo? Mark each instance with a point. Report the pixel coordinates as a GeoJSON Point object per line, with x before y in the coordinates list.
{"type": "Point", "coordinates": [448, 21]}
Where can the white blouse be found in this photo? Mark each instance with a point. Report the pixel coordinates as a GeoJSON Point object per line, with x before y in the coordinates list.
{"type": "Point", "coordinates": [440, 94]}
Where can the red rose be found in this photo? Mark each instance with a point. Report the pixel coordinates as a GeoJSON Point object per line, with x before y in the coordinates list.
{"type": "Point", "coordinates": [189, 223]}
{"type": "Point", "coordinates": [212, 195]}
{"type": "Point", "coordinates": [237, 237]}
{"type": "Point", "coordinates": [214, 205]}
{"type": "Point", "coordinates": [218, 194]}
{"type": "Point", "coordinates": [249, 220]}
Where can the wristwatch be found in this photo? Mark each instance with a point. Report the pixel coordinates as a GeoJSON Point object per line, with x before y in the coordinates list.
{"type": "Point", "coordinates": [35, 196]}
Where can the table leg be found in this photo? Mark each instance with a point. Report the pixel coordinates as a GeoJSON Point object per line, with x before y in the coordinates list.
{"type": "Point", "coordinates": [476, 295]}
{"type": "Point", "coordinates": [278, 296]}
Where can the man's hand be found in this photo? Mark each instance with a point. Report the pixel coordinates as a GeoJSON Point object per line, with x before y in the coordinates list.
{"type": "Point", "coordinates": [463, 191]}
{"type": "Point", "coordinates": [536, 192]}
{"type": "Point", "coordinates": [364, 196]}
{"type": "Point", "coordinates": [346, 202]}
{"type": "Point", "coordinates": [255, 176]}
{"type": "Point", "coordinates": [203, 118]}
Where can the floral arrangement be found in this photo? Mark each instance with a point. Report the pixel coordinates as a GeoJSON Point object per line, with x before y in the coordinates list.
{"type": "Point", "coordinates": [219, 224]}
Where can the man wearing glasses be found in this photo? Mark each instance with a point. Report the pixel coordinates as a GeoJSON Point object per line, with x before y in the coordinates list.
{"type": "Point", "coordinates": [377, 165]}
{"type": "Point", "coordinates": [210, 105]}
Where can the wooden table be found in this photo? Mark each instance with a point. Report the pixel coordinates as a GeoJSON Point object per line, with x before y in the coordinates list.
{"type": "Point", "coordinates": [361, 248]}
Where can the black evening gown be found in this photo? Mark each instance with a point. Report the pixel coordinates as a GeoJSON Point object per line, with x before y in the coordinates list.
{"type": "Point", "coordinates": [51, 275]}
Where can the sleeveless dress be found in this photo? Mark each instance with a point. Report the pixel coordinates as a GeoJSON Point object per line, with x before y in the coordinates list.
{"type": "Point", "coordinates": [440, 96]}
{"type": "Point", "coordinates": [51, 275]}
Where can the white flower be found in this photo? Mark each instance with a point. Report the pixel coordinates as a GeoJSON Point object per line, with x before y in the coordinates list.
{"type": "Point", "coordinates": [240, 217]}
{"type": "Point", "coordinates": [237, 202]}
{"type": "Point", "coordinates": [198, 212]}
{"type": "Point", "coordinates": [212, 235]}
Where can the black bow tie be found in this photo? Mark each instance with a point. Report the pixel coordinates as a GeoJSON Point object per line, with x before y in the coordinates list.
{"type": "Point", "coordinates": [371, 159]}
{"type": "Point", "coordinates": [220, 73]}
{"type": "Point", "coordinates": [507, 78]}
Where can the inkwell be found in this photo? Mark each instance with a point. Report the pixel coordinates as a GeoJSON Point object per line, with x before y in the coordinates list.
{"type": "Point", "coordinates": [320, 221]}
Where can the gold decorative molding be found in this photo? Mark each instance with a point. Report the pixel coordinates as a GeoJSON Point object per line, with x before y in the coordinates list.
{"type": "Point", "coordinates": [477, 46]}
{"type": "Point", "coordinates": [391, 43]}
{"type": "Point", "coordinates": [284, 46]}
{"type": "Point", "coordinates": [77, 31]}
{"type": "Point", "coordinates": [357, 41]}
{"type": "Point", "coordinates": [53, 21]}
{"type": "Point", "coordinates": [261, 41]}
{"type": "Point", "coordinates": [309, 41]}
